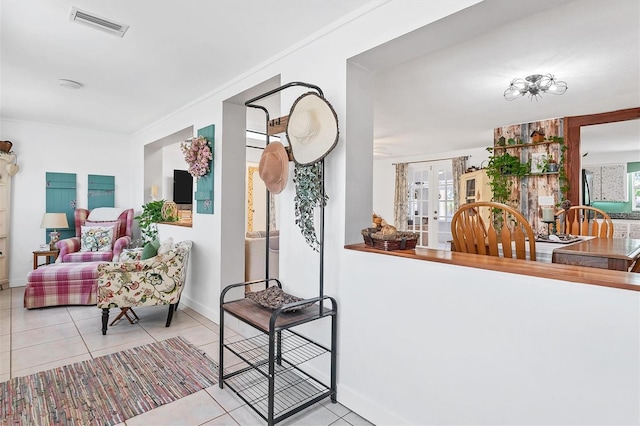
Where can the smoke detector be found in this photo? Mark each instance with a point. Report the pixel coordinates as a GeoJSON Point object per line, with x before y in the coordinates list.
{"type": "Point", "coordinates": [97, 22]}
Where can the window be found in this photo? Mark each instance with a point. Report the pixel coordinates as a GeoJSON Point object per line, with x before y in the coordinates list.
{"type": "Point", "coordinates": [635, 191]}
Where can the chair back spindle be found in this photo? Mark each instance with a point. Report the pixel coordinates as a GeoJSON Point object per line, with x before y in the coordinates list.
{"type": "Point", "coordinates": [506, 234]}
{"type": "Point", "coordinates": [585, 221]}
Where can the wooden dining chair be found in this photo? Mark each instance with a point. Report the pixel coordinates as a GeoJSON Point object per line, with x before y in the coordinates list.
{"type": "Point", "coordinates": [585, 220]}
{"type": "Point", "coordinates": [492, 229]}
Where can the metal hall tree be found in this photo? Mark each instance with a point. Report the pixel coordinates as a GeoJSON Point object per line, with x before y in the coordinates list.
{"type": "Point", "coordinates": [275, 382]}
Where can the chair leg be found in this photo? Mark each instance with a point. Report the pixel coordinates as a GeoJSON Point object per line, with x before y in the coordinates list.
{"type": "Point", "coordinates": [170, 316]}
{"type": "Point", "coordinates": [105, 320]}
{"type": "Point", "coordinates": [125, 312]}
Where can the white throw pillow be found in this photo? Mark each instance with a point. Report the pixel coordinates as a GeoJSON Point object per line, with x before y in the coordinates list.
{"type": "Point", "coordinates": [166, 246]}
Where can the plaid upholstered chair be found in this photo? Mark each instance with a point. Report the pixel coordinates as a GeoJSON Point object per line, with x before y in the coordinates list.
{"type": "Point", "coordinates": [101, 235]}
{"type": "Point", "coordinates": [155, 281]}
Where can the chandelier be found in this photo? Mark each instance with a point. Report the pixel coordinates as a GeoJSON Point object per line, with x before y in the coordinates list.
{"type": "Point", "coordinates": [535, 85]}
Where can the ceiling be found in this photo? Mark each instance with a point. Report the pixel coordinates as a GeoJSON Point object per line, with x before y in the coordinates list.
{"type": "Point", "coordinates": [172, 54]}
{"type": "Point", "coordinates": [438, 89]}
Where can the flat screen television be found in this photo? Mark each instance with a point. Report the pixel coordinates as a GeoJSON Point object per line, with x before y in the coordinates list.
{"type": "Point", "coordinates": [182, 187]}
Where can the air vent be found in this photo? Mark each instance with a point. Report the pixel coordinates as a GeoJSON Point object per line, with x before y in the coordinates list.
{"type": "Point", "coordinates": [97, 22]}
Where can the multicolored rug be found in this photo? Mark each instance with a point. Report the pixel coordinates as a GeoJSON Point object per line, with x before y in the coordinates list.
{"type": "Point", "coordinates": [109, 389]}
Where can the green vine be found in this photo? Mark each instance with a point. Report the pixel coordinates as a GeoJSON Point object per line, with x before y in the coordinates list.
{"type": "Point", "coordinates": [562, 169]}
{"type": "Point", "coordinates": [501, 169]}
{"type": "Point", "coordinates": [309, 195]}
{"type": "Point", "coordinates": [147, 220]}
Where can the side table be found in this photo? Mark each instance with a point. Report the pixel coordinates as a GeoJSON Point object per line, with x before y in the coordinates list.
{"type": "Point", "coordinates": [50, 257]}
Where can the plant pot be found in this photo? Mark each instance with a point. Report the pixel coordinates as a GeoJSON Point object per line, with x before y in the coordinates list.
{"type": "Point", "coordinates": [552, 167]}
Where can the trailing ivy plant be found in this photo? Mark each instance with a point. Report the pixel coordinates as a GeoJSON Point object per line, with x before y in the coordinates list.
{"type": "Point", "coordinates": [147, 220]}
{"type": "Point", "coordinates": [309, 195]}
{"type": "Point", "coordinates": [501, 169]}
{"type": "Point", "coordinates": [562, 169]}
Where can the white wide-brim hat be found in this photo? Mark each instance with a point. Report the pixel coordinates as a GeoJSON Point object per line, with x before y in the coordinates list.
{"type": "Point", "coordinates": [274, 167]}
{"type": "Point", "coordinates": [312, 129]}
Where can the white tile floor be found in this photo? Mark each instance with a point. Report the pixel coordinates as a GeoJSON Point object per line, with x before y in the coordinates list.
{"type": "Point", "coordinates": [41, 339]}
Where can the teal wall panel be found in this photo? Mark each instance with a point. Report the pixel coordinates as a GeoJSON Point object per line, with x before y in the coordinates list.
{"type": "Point", "coordinates": [61, 198]}
{"type": "Point", "coordinates": [204, 188]}
{"type": "Point", "coordinates": [101, 191]}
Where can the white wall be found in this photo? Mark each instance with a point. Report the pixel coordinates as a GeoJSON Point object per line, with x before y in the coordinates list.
{"type": "Point", "coordinates": [172, 158]}
{"type": "Point", "coordinates": [45, 148]}
{"type": "Point", "coordinates": [419, 342]}
{"type": "Point", "coordinates": [384, 175]}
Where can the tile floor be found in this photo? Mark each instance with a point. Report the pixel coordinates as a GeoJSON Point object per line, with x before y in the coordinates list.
{"type": "Point", "coordinates": [40, 339]}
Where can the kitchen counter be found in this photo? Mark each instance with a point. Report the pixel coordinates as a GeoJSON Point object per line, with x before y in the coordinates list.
{"type": "Point", "coordinates": [625, 216]}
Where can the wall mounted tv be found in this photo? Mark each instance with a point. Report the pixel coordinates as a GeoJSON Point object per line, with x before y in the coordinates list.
{"type": "Point", "coordinates": [182, 187]}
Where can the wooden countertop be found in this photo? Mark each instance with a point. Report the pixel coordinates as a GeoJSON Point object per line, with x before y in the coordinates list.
{"type": "Point", "coordinates": [577, 274]}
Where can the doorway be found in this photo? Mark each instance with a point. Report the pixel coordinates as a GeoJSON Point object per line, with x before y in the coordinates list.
{"type": "Point", "coordinates": [431, 203]}
{"type": "Point", "coordinates": [256, 201]}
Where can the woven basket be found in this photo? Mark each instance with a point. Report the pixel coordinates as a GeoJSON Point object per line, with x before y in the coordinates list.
{"type": "Point", "coordinates": [5, 146]}
{"type": "Point", "coordinates": [399, 241]}
{"type": "Point", "coordinates": [366, 235]}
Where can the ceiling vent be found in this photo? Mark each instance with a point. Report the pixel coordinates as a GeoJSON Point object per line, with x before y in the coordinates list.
{"type": "Point", "coordinates": [97, 22]}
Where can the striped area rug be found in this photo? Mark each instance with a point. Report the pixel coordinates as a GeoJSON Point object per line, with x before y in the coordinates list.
{"type": "Point", "coordinates": [109, 389]}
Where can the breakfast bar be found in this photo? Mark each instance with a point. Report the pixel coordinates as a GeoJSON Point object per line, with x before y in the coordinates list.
{"type": "Point", "coordinates": [606, 253]}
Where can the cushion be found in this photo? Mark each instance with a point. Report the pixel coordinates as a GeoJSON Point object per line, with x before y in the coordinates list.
{"type": "Point", "coordinates": [274, 243]}
{"type": "Point", "coordinates": [274, 297]}
{"type": "Point", "coordinates": [131, 255]}
{"type": "Point", "coordinates": [166, 246]}
{"type": "Point", "coordinates": [96, 238]}
{"type": "Point", "coordinates": [150, 250]}
{"type": "Point", "coordinates": [119, 228]}
{"type": "Point", "coordinates": [105, 213]}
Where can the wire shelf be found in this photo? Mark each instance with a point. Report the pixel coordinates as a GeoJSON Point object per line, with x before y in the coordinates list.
{"type": "Point", "coordinates": [296, 349]}
{"type": "Point", "coordinates": [293, 389]}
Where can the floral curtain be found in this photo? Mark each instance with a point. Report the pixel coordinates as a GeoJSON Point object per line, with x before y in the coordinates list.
{"type": "Point", "coordinates": [458, 166]}
{"type": "Point", "coordinates": [401, 201]}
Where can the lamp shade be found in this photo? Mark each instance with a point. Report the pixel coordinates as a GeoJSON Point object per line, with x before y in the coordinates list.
{"type": "Point", "coordinates": [54, 220]}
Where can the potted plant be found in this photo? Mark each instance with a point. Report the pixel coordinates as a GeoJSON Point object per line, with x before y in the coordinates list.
{"type": "Point", "coordinates": [551, 165]}
{"type": "Point", "coordinates": [147, 220]}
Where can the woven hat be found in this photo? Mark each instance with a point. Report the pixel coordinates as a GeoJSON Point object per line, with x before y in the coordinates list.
{"type": "Point", "coordinates": [274, 167]}
{"type": "Point", "coordinates": [312, 129]}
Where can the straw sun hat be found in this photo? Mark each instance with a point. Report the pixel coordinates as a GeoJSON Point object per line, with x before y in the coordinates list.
{"type": "Point", "coordinates": [274, 167]}
{"type": "Point", "coordinates": [312, 129]}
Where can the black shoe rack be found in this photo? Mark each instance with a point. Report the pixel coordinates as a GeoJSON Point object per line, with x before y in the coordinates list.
{"type": "Point", "coordinates": [275, 377]}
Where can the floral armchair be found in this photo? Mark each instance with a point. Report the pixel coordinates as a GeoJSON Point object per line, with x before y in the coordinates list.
{"type": "Point", "coordinates": [107, 232]}
{"type": "Point", "coordinates": [155, 281]}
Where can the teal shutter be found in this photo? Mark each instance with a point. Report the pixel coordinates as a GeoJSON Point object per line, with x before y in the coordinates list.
{"type": "Point", "coordinates": [204, 189]}
{"type": "Point", "coordinates": [61, 198]}
{"type": "Point", "coordinates": [101, 191]}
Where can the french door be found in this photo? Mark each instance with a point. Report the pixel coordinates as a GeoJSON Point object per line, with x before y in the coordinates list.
{"type": "Point", "coordinates": [431, 203]}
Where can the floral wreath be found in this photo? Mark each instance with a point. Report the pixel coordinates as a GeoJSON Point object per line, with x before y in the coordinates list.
{"type": "Point", "coordinates": [197, 154]}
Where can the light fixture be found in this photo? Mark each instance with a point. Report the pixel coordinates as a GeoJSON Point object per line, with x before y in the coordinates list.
{"type": "Point", "coordinates": [69, 84]}
{"type": "Point", "coordinates": [54, 220]}
{"type": "Point", "coordinates": [535, 85]}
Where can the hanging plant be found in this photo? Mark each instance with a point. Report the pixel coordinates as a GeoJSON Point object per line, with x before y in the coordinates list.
{"type": "Point", "coordinates": [197, 154]}
{"type": "Point", "coordinates": [503, 169]}
{"type": "Point", "coordinates": [309, 195]}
